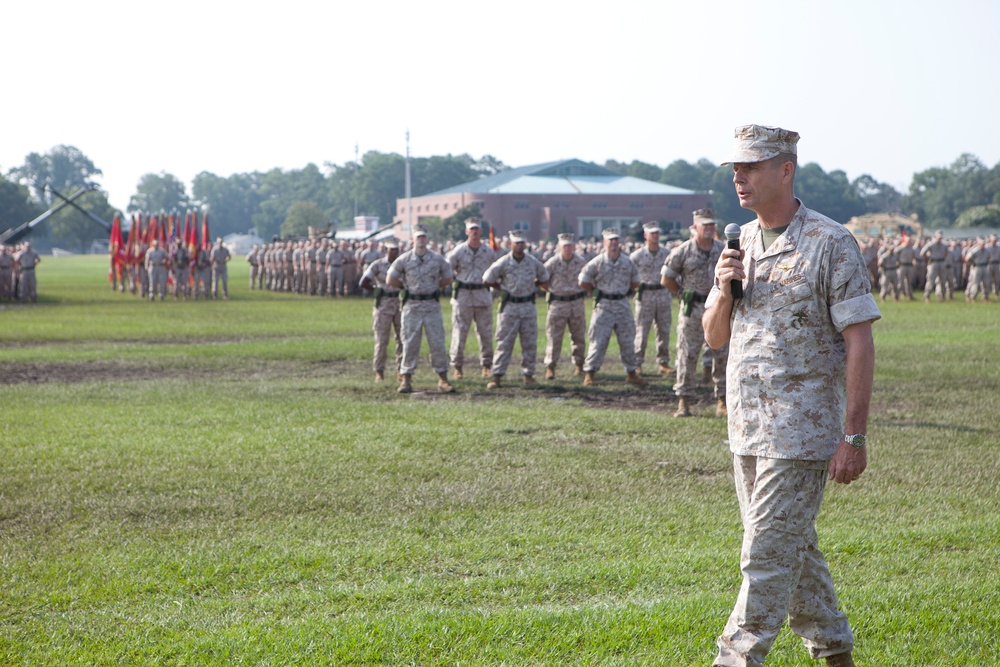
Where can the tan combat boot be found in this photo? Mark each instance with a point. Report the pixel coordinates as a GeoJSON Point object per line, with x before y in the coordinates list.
{"type": "Point", "coordinates": [588, 378]}
{"type": "Point", "coordinates": [638, 369]}
{"type": "Point", "coordinates": [706, 374]}
{"type": "Point", "coordinates": [840, 660]}
{"type": "Point", "coordinates": [379, 376]}
{"type": "Point", "coordinates": [486, 372]}
{"type": "Point", "coordinates": [529, 381]}
{"type": "Point", "coordinates": [494, 382]}
{"type": "Point", "coordinates": [635, 378]}
{"type": "Point", "coordinates": [404, 386]}
{"type": "Point", "coordinates": [457, 374]}
{"type": "Point", "coordinates": [682, 408]}
{"type": "Point", "coordinates": [665, 370]}
{"type": "Point", "coordinates": [443, 385]}
{"type": "Point", "coordinates": [579, 370]}
{"type": "Point", "coordinates": [550, 373]}
{"type": "Point", "coordinates": [720, 408]}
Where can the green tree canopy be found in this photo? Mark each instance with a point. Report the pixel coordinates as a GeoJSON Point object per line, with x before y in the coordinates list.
{"type": "Point", "coordinates": [980, 216]}
{"type": "Point", "coordinates": [301, 216]}
{"type": "Point", "coordinates": [16, 205]}
{"type": "Point", "coordinates": [72, 229]}
{"type": "Point", "coordinates": [159, 192]}
{"type": "Point", "coordinates": [64, 168]}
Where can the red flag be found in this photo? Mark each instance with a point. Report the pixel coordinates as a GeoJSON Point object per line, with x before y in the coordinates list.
{"type": "Point", "coordinates": [206, 240]}
{"type": "Point", "coordinates": [133, 231]}
{"type": "Point", "coordinates": [493, 240]}
{"type": "Point", "coordinates": [117, 248]}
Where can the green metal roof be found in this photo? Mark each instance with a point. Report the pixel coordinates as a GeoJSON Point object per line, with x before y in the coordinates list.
{"type": "Point", "coordinates": [564, 177]}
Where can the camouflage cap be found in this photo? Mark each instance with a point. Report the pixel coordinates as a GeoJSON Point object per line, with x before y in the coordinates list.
{"type": "Point", "coordinates": [390, 243]}
{"type": "Point", "coordinates": [704, 216]}
{"type": "Point", "coordinates": [473, 223]}
{"type": "Point", "coordinates": [566, 239]}
{"type": "Point", "coordinates": [419, 230]}
{"type": "Point", "coordinates": [518, 237]}
{"type": "Point", "coordinates": [651, 227]}
{"type": "Point", "coordinates": [756, 143]}
{"type": "Point", "coordinates": [610, 233]}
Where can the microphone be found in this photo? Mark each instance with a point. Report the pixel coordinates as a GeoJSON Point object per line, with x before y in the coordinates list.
{"type": "Point", "coordinates": [733, 243]}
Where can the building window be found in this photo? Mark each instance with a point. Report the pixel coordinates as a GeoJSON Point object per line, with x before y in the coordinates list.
{"type": "Point", "coordinates": [561, 204]}
{"type": "Point", "coordinates": [600, 204]}
{"type": "Point", "coordinates": [522, 226]}
{"type": "Point", "coordinates": [521, 204]}
{"type": "Point", "coordinates": [675, 204]}
{"type": "Point", "coordinates": [636, 204]}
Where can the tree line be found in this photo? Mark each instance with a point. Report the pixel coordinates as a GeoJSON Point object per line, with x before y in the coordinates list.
{"type": "Point", "coordinates": [285, 203]}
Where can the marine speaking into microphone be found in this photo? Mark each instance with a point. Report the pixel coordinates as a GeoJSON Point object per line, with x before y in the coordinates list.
{"type": "Point", "coordinates": [733, 243]}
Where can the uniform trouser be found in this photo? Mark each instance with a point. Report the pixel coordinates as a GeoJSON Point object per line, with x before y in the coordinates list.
{"type": "Point", "coordinates": [298, 281]}
{"type": "Point", "coordinates": [157, 282]}
{"type": "Point", "coordinates": [462, 318]}
{"type": "Point", "coordinates": [995, 278]}
{"type": "Point", "coordinates": [978, 282]}
{"type": "Point", "coordinates": [386, 317]}
{"type": "Point", "coordinates": [28, 285]}
{"type": "Point", "coordinates": [202, 281]}
{"type": "Point", "coordinates": [254, 275]}
{"type": "Point", "coordinates": [937, 280]}
{"type": "Point", "coordinates": [653, 310]}
{"type": "Point", "coordinates": [220, 274]}
{"type": "Point", "coordinates": [906, 280]}
{"type": "Point", "coordinates": [418, 317]}
{"type": "Point", "coordinates": [6, 284]}
{"type": "Point", "coordinates": [784, 572]}
{"type": "Point", "coordinates": [610, 317]}
{"type": "Point", "coordinates": [335, 281]}
{"type": "Point", "coordinates": [690, 341]}
{"type": "Point", "coordinates": [143, 281]}
{"type": "Point", "coordinates": [890, 283]}
{"type": "Point", "coordinates": [182, 282]}
{"type": "Point", "coordinates": [313, 279]}
{"type": "Point", "coordinates": [517, 320]}
{"type": "Point", "coordinates": [563, 314]}
{"type": "Point", "coordinates": [321, 282]}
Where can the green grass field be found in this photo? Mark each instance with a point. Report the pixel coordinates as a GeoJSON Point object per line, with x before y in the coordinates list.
{"type": "Point", "coordinates": [222, 483]}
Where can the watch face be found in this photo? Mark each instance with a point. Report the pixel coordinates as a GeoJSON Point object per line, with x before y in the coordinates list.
{"type": "Point", "coordinates": [857, 440]}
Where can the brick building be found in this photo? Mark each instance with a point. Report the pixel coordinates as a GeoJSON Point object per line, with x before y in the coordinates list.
{"type": "Point", "coordinates": [543, 200]}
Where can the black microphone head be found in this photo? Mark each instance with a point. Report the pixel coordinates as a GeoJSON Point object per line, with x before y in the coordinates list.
{"type": "Point", "coordinates": [732, 232]}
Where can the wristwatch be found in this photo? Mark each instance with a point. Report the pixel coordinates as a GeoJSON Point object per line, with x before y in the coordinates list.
{"type": "Point", "coordinates": [857, 440]}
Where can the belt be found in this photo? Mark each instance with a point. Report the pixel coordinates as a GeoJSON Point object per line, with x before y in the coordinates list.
{"type": "Point", "coordinates": [389, 295]}
{"type": "Point", "coordinates": [27, 268]}
{"type": "Point", "coordinates": [567, 297]}
{"type": "Point", "coordinates": [613, 297]}
{"type": "Point", "coordinates": [936, 261]}
{"type": "Point", "coordinates": [981, 265]}
{"type": "Point", "coordinates": [462, 285]}
{"type": "Point", "coordinates": [906, 264]}
{"type": "Point", "coordinates": [651, 287]}
{"type": "Point", "coordinates": [336, 266]}
{"type": "Point", "coordinates": [425, 297]}
{"type": "Point", "coordinates": [522, 299]}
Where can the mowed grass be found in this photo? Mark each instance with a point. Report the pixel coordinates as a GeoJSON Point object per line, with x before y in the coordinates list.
{"type": "Point", "coordinates": [222, 483]}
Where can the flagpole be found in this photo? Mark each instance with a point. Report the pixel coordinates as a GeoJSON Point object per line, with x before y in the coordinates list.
{"type": "Point", "coordinates": [409, 198]}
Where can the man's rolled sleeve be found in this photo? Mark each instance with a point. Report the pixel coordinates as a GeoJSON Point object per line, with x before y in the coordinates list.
{"type": "Point", "coordinates": [861, 308]}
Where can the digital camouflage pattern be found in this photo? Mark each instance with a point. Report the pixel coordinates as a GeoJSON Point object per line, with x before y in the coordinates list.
{"type": "Point", "coordinates": [652, 308]}
{"type": "Point", "coordinates": [563, 281]}
{"type": "Point", "coordinates": [386, 315]}
{"type": "Point", "coordinates": [422, 274]}
{"type": "Point", "coordinates": [613, 277]}
{"type": "Point", "coordinates": [517, 278]}
{"type": "Point", "coordinates": [471, 305]}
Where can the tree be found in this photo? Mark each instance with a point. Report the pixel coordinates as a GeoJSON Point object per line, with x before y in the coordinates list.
{"type": "Point", "coordinates": [831, 194]}
{"type": "Point", "coordinates": [159, 192]}
{"type": "Point", "coordinates": [301, 216]}
{"type": "Point", "coordinates": [16, 205]}
{"type": "Point", "coordinates": [230, 201]}
{"type": "Point", "coordinates": [877, 197]}
{"type": "Point", "coordinates": [454, 225]}
{"type": "Point", "coordinates": [64, 168]}
{"type": "Point", "coordinates": [980, 216]}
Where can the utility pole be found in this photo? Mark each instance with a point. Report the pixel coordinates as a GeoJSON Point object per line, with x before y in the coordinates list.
{"type": "Point", "coordinates": [355, 180]}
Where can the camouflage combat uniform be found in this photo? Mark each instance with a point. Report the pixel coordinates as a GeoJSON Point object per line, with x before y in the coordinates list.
{"type": "Point", "coordinates": [421, 276]}
{"type": "Point", "coordinates": [519, 316]}
{"type": "Point", "coordinates": [612, 314]}
{"type": "Point", "coordinates": [472, 303]}
{"type": "Point", "coordinates": [907, 257]}
{"type": "Point", "coordinates": [937, 255]}
{"type": "Point", "coordinates": [386, 314]}
{"type": "Point", "coordinates": [156, 266]}
{"type": "Point", "coordinates": [978, 258]}
{"type": "Point", "coordinates": [694, 269]}
{"type": "Point", "coordinates": [787, 400]}
{"type": "Point", "coordinates": [566, 309]}
{"type": "Point", "coordinates": [220, 271]}
{"type": "Point", "coordinates": [652, 305]}
{"type": "Point", "coordinates": [888, 265]}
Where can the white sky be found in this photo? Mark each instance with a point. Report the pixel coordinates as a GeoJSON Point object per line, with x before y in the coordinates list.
{"type": "Point", "coordinates": [883, 87]}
